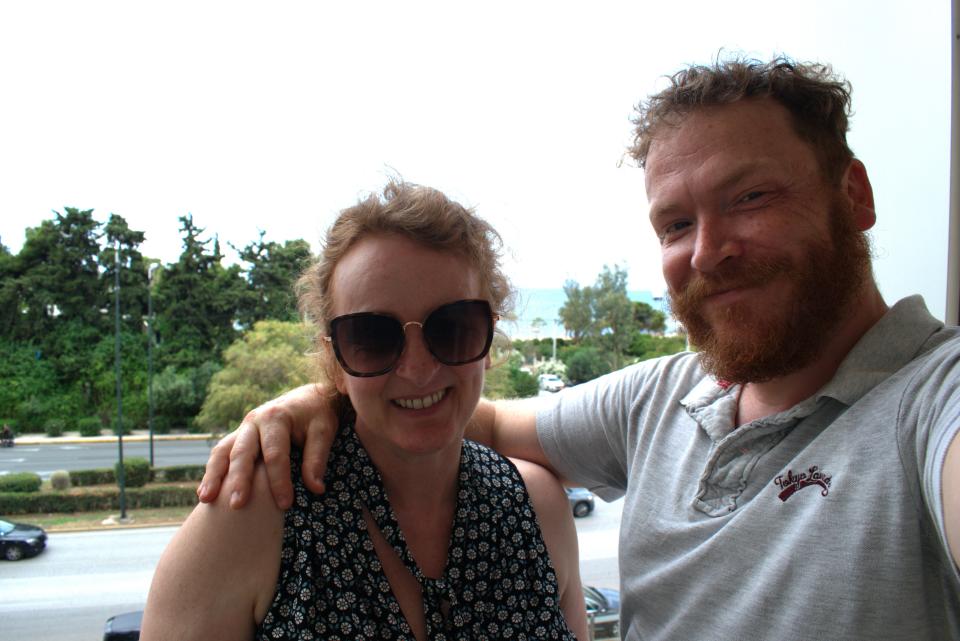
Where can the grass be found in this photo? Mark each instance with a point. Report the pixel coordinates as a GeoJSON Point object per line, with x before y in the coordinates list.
{"type": "Point", "coordinates": [141, 517]}
{"type": "Point", "coordinates": [104, 520]}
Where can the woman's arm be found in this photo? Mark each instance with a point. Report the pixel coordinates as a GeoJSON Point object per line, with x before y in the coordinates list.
{"type": "Point", "coordinates": [218, 575]}
{"type": "Point", "coordinates": [304, 416]}
{"type": "Point", "coordinates": [560, 536]}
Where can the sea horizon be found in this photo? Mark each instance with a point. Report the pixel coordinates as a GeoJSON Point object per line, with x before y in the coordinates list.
{"type": "Point", "coordinates": [545, 303]}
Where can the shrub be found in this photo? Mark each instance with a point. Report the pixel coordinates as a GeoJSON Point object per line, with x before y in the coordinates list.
{"type": "Point", "coordinates": [90, 426]}
{"type": "Point", "coordinates": [20, 482]}
{"type": "Point", "coordinates": [101, 476]}
{"type": "Point", "coordinates": [136, 471]}
{"type": "Point", "coordinates": [176, 473]}
{"type": "Point", "coordinates": [31, 414]}
{"type": "Point", "coordinates": [524, 385]}
{"type": "Point", "coordinates": [95, 500]}
{"type": "Point", "coordinates": [111, 423]}
{"type": "Point", "coordinates": [585, 364]}
{"type": "Point", "coordinates": [54, 426]}
{"type": "Point", "coordinates": [60, 480]}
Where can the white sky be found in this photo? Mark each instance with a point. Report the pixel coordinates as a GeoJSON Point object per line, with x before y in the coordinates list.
{"type": "Point", "coordinates": [275, 116]}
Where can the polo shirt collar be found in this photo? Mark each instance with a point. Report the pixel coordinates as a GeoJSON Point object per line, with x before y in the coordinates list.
{"type": "Point", "coordinates": [886, 347]}
{"type": "Point", "coordinates": [891, 343]}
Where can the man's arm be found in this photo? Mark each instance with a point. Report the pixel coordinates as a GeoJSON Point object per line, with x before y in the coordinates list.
{"type": "Point", "coordinates": [951, 498]}
{"type": "Point", "coordinates": [305, 417]}
{"type": "Point", "coordinates": [510, 428]}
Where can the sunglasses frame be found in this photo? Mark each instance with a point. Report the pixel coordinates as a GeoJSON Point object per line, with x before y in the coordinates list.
{"type": "Point", "coordinates": [492, 319]}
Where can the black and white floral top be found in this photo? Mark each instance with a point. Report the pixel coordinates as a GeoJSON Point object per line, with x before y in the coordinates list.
{"type": "Point", "coordinates": [499, 582]}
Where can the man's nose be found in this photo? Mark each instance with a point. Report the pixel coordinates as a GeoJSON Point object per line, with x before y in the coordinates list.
{"type": "Point", "coordinates": [713, 243]}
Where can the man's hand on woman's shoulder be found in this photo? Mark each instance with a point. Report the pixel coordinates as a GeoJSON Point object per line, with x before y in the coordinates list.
{"type": "Point", "coordinates": [303, 416]}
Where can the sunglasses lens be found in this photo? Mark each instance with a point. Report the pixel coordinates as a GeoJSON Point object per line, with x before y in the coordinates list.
{"type": "Point", "coordinates": [460, 332]}
{"type": "Point", "coordinates": [367, 344]}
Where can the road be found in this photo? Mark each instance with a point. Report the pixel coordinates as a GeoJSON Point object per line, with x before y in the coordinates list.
{"type": "Point", "coordinates": [46, 459]}
{"type": "Point", "coordinates": [82, 578]}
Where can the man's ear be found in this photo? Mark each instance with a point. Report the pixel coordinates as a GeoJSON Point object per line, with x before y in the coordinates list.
{"type": "Point", "coordinates": [856, 186]}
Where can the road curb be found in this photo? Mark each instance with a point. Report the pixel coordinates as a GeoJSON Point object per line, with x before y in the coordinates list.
{"type": "Point", "coordinates": [118, 526]}
{"type": "Point", "coordinates": [29, 439]}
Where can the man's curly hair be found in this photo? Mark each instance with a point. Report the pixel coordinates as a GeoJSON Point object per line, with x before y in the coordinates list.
{"type": "Point", "coordinates": [818, 101]}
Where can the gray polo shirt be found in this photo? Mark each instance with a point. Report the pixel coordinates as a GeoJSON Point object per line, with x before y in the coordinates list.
{"type": "Point", "coordinates": [821, 522]}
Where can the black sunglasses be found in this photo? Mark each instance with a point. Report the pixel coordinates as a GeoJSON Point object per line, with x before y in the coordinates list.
{"type": "Point", "coordinates": [370, 344]}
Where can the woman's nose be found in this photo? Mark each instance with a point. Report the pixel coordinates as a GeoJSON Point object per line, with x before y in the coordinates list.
{"type": "Point", "coordinates": [417, 364]}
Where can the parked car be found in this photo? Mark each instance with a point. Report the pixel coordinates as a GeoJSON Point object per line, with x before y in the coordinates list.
{"type": "Point", "coordinates": [123, 627]}
{"type": "Point", "coordinates": [18, 540]}
{"type": "Point", "coordinates": [603, 611]}
{"type": "Point", "coordinates": [581, 500]}
{"type": "Point", "coordinates": [551, 382]}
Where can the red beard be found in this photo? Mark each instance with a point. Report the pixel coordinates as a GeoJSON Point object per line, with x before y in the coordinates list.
{"type": "Point", "coordinates": [743, 345]}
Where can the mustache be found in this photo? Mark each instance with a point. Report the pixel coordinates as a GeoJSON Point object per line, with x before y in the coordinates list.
{"type": "Point", "coordinates": [736, 275]}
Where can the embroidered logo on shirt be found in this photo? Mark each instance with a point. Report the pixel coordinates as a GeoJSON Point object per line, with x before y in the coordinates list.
{"type": "Point", "coordinates": [791, 483]}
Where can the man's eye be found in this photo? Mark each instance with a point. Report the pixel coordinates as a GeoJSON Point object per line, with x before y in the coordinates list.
{"type": "Point", "coordinates": [674, 228]}
{"type": "Point", "coordinates": [753, 195]}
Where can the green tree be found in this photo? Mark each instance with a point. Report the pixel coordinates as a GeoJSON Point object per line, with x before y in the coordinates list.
{"type": "Point", "coordinates": [133, 272]}
{"type": "Point", "coordinates": [645, 346]}
{"type": "Point", "coordinates": [273, 269]}
{"type": "Point", "coordinates": [577, 311]}
{"type": "Point", "coordinates": [179, 393]}
{"type": "Point", "coordinates": [585, 364]}
{"type": "Point", "coordinates": [56, 276]}
{"type": "Point", "coordinates": [59, 305]}
{"type": "Point", "coordinates": [601, 315]}
{"type": "Point", "coordinates": [613, 313]}
{"type": "Point", "coordinates": [649, 319]}
{"type": "Point", "coordinates": [265, 362]}
{"type": "Point", "coordinates": [196, 303]}
{"type": "Point", "coordinates": [506, 378]}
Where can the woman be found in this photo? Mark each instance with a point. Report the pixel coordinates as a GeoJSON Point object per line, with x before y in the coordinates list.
{"type": "Point", "coordinates": [420, 534]}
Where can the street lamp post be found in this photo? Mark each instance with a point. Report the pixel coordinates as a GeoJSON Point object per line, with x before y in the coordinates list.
{"type": "Point", "coordinates": [150, 270]}
{"type": "Point", "coordinates": [116, 361]}
{"type": "Point", "coordinates": [556, 324]}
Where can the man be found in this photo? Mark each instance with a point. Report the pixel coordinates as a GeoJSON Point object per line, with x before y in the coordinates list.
{"type": "Point", "coordinates": [795, 479]}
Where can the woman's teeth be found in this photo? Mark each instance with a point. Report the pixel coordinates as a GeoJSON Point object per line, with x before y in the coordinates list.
{"type": "Point", "coordinates": [421, 403]}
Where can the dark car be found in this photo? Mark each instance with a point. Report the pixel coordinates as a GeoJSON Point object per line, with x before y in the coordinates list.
{"type": "Point", "coordinates": [581, 500]}
{"type": "Point", "coordinates": [123, 627]}
{"type": "Point", "coordinates": [603, 611]}
{"type": "Point", "coordinates": [18, 540]}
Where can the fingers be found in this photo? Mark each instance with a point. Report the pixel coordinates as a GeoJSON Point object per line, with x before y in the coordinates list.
{"type": "Point", "coordinates": [216, 469]}
{"type": "Point", "coordinates": [302, 415]}
{"type": "Point", "coordinates": [321, 432]}
{"type": "Point", "coordinates": [274, 432]}
{"type": "Point", "coordinates": [244, 452]}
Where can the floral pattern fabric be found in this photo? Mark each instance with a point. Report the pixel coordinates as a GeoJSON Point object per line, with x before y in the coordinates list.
{"type": "Point", "coordinates": [498, 583]}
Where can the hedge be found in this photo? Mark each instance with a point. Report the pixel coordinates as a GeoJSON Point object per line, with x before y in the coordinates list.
{"type": "Point", "coordinates": [90, 426]}
{"type": "Point", "coordinates": [136, 471]}
{"type": "Point", "coordinates": [107, 476]}
{"type": "Point", "coordinates": [175, 473]}
{"type": "Point", "coordinates": [54, 426]}
{"type": "Point", "coordinates": [20, 482]}
{"type": "Point", "coordinates": [94, 500]}
{"type": "Point", "coordinates": [83, 478]}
